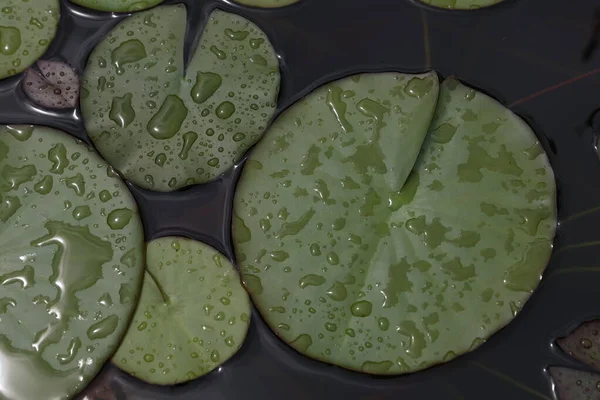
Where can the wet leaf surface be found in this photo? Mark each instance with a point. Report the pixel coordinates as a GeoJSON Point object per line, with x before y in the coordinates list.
{"type": "Point", "coordinates": [354, 264]}
{"type": "Point", "coordinates": [70, 265]}
{"type": "Point", "coordinates": [164, 130]}
{"type": "Point", "coordinates": [461, 4]}
{"type": "Point", "coordinates": [266, 3]}
{"type": "Point", "coordinates": [192, 317]}
{"type": "Point", "coordinates": [571, 384]}
{"type": "Point", "coordinates": [583, 344]}
{"type": "Point", "coordinates": [52, 84]}
{"type": "Point", "coordinates": [118, 5]}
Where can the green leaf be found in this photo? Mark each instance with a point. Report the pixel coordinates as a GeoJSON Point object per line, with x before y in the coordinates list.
{"type": "Point", "coordinates": [266, 3]}
{"type": "Point", "coordinates": [70, 265]}
{"type": "Point", "coordinates": [192, 317]}
{"type": "Point", "coordinates": [117, 5]}
{"type": "Point", "coordinates": [583, 343]}
{"type": "Point", "coordinates": [353, 266]}
{"type": "Point", "coordinates": [461, 4]}
{"type": "Point", "coordinates": [26, 30]}
{"type": "Point", "coordinates": [571, 384]}
{"type": "Point", "coordinates": [163, 131]}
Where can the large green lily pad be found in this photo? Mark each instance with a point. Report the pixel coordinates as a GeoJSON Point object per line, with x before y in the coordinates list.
{"type": "Point", "coordinates": [192, 317]}
{"type": "Point", "coordinates": [351, 265]}
{"type": "Point", "coordinates": [71, 263]}
{"type": "Point", "coordinates": [266, 3]}
{"type": "Point", "coordinates": [118, 5]}
{"type": "Point", "coordinates": [461, 4]}
{"type": "Point", "coordinates": [162, 131]}
{"type": "Point", "coordinates": [26, 30]}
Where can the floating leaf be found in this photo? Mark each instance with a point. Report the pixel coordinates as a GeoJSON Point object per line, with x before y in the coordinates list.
{"type": "Point", "coordinates": [461, 4]}
{"type": "Point", "coordinates": [70, 263]}
{"type": "Point", "coordinates": [26, 30]}
{"type": "Point", "coordinates": [352, 265]}
{"type": "Point", "coordinates": [192, 317]}
{"type": "Point", "coordinates": [266, 3]}
{"type": "Point", "coordinates": [163, 131]}
{"type": "Point", "coordinates": [54, 85]}
{"type": "Point", "coordinates": [583, 343]}
{"type": "Point", "coordinates": [118, 5]}
{"type": "Point", "coordinates": [570, 384]}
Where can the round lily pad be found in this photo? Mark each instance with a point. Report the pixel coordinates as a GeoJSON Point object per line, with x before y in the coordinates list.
{"type": "Point", "coordinates": [26, 30]}
{"type": "Point", "coordinates": [164, 125]}
{"type": "Point", "coordinates": [266, 3]}
{"type": "Point", "coordinates": [71, 263]}
{"type": "Point", "coordinates": [192, 317]}
{"type": "Point", "coordinates": [461, 4]}
{"type": "Point", "coordinates": [117, 5]}
{"type": "Point", "coordinates": [353, 264]}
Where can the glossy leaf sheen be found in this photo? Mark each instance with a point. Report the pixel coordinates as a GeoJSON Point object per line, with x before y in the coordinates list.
{"type": "Point", "coordinates": [117, 5]}
{"type": "Point", "coordinates": [26, 30]}
{"type": "Point", "coordinates": [571, 384]}
{"type": "Point", "coordinates": [163, 131]}
{"type": "Point", "coordinates": [583, 344]}
{"type": "Point", "coordinates": [266, 3]}
{"type": "Point", "coordinates": [351, 265]}
{"type": "Point", "coordinates": [461, 4]}
{"type": "Point", "coordinates": [52, 84]}
{"type": "Point", "coordinates": [71, 263]}
{"type": "Point", "coordinates": [192, 317]}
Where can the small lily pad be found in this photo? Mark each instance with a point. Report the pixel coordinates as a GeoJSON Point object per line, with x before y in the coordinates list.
{"type": "Point", "coordinates": [26, 30]}
{"type": "Point", "coordinates": [53, 84]}
{"type": "Point", "coordinates": [266, 3]}
{"type": "Point", "coordinates": [165, 128]}
{"type": "Point", "coordinates": [353, 264]}
{"type": "Point", "coordinates": [571, 384]}
{"type": "Point", "coordinates": [461, 4]}
{"type": "Point", "coordinates": [192, 317]}
{"type": "Point", "coordinates": [583, 344]}
{"type": "Point", "coordinates": [71, 263]}
{"type": "Point", "coordinates": [118, 5]}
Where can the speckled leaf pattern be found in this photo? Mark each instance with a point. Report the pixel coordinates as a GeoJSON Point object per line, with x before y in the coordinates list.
{"type": "Point", "coordinates": [192, 317]}
{"type": "Point", "coordinates": [570, 384]}
{"type": "Point", "coordinates": [353, 266]}
{"type": "Point", "coordinates": [162, 131]}
{"type": "Point", "coordinates": [26, 29]}
{"type": "Point", "coordinates": [583, 344]}
{"type": "Point", "coordinates": [70, 265]}
{"type": "Point", "coordinates": [52, 84]}
{"type": "Point", "coordinates": [266, 3]}
{"type": "Point", "coordinates": [117, 5]}
{"type": "Point", "coordinates": [461, 4]}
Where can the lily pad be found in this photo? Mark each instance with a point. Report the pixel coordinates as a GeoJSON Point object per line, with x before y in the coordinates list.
{"type": "Point", "coordinates": [71, 263]}
{"type": "Point", "coordinates": [352, 265]}
{"type": "Point", "coordinates": [571, 384]}
{"type": "Point", "coordinates": [192, 317]}
{"type": "Point", "coordinates": [53, 84]}
{"type": "Point", "coordinates": [162, 131]}
{"type": "Point", "coordinates": [266, 3]}
{"type": "Point", "coordinates": [583, 344]}
{"type": "Point", "coordinates": [461, 4]}
{"type": "Point", "coordinates": [118, 5]}
{"type": "Point", "coordinates": [26, 30]}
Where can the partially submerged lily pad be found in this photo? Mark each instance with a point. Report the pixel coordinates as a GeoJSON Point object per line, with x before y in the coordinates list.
{"type": "Point", "coordinates": [52, 84]}
{"type": "Point", "coordinates": [162, 131]}
{"type": "Point", "coordinates": [118, 5]}
{"type": "Point", "coordinates": [26, 30]}
{"type": "Point", "coordinates": [352, 265]}
{"type": "Point", "coordinates": [192, 317]}
{"type": "Point", "coordinates": [583, 343]}
{"type": "Point", "coordinates": [461, 4]}
{"type": "Point", "coordinates": [571, 384]}
{"type": "Point", "coordinates": [71, 263]}
{"type": "Point", "coordinates": [266, 3]}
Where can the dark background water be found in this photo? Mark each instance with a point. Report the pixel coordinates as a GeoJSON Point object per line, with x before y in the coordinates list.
{"type": "Point", "coordinates": [539, 57]}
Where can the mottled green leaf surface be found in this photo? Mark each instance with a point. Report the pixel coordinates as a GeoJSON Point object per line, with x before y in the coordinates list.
{"type": "Point", "coordinates": [192, 317]}
{"type": "Point", "coordinates": [352, 265]}
{"type": "Point", "coordinates": [71, 263]}
{"type": "Point", "coordinates": [118, 5]}
{"type": "Point", "coordinates": [266, 3]}
{"type": "Point", "coordinates": [164, 130]}
{"type": "Point", "coordinates": [26, 29]}
{"type": "Point", "coordinates": [461, 4]}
